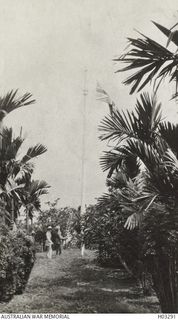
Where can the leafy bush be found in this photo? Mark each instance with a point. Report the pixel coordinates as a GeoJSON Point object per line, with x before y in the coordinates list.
{"type": "Point", "coordinates": [17, 257]}
{"type": "Point", "coordinates": [69, 220]}
{"type": "Point", "coordinates": [115, 245]}
{"type": "Point", "coordinates": [104, 231]}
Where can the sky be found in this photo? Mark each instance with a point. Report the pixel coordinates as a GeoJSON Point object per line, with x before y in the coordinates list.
{"type": "Point", "coordinates": [45, 48]}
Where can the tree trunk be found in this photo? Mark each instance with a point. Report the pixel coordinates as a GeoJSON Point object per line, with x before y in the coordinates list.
{"type": "Point", "coordinates": [163, 271]}
{"type": "Point", "coordinates": [31, 222]}
{"type": "Point", "coordinates": [124, 264]}
{"type": "Point", "coordinates": [27, 220]}
{"type": "Point", "coordinates": [1, 129]}
{"type": "Point", "coordinates": [12, 213]}
{"type": "Point", "coordinates": [3, 213]}
{"type": "Point", "coordinates": [82, 249]}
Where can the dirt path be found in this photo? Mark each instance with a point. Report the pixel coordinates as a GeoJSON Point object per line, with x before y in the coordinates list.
{"type": "Point", "coordinates": [70, 284]}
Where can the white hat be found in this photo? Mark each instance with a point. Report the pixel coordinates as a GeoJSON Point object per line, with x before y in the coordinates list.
{"type": "Point", "coordinates": [49, 227]}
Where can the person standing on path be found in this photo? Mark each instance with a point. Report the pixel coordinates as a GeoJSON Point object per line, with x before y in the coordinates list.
{"type": "Point", "coordinates": [56, 238]}
{"type": "Point", "coordinates": [49, 243]}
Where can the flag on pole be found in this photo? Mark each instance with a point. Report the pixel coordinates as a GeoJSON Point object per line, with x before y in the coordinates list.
{"type": "Point", "coordinates": [103, 96]}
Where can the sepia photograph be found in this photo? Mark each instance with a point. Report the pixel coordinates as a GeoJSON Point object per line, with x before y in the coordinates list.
{"type": "Point", "coordinates": [88, 158]}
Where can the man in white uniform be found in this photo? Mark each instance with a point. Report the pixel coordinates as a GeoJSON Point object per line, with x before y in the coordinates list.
{"type": "Point", "coordinates": [49, 243]}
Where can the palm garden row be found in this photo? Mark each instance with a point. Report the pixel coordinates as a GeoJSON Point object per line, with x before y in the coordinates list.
{"type": "Point", "coordinates": [137, 220]}
{"type": "Point", "coordinates": [17, 191]}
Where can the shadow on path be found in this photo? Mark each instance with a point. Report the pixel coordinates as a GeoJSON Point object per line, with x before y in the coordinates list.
{"type": "Point", "coordinates": [70, 284]}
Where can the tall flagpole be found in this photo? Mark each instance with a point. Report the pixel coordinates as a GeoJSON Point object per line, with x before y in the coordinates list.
{"type": "Point", "coordinates": [85, 93]}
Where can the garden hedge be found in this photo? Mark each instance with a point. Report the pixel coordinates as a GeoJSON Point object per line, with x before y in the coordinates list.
{"type": "Point", "coordinates": [17, 256]}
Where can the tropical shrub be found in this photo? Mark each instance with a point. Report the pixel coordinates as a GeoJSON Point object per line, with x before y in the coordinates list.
{"type": "Point", "coordinates": [66, 217]}
{"type": "Point", "coordinates": [105, 232]}
{"type": "Point", "coordinates": [17, 257]}
{"type": "Point", "coordinates": [54, 216]}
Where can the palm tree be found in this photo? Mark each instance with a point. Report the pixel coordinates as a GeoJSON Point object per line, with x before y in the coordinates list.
{"type": "Point", "coordinates": [151, 196]}
{"type": "Point", "coordinates": [15, 172]}
{"type": "Point", "coordinates": [144, 136]}
{"type": "Point", "coordinates": [9, 103]}
{"type": "Point", "coordinates": [31, 200]}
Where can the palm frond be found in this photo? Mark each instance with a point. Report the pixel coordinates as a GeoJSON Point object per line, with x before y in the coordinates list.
{"type": "Point", "coordinates": [108, 199]}
{"type": "Point", "coordinates": [148, 111]}
{"type": "Point", "coordinates": [33, 191]}
{"type": "Point", "coordinates": [23, 172]}
{"type": "Point", "coordinates": [10, 102]}
{"type": "Point", "coordinates": [140, 181]}
{"type": "Point", "coordinates": [10, 145]}
{"type": "Point", "coordinates": [37, 204]}
{"type": "Point", "coordinates": [111, 160]}
{"type": "Point", "coordinates": [171, 161]}
{"type": "Point", "coordinates": [34, 152]}
{"type": "Point", "coordinates": [119, 126]}
{"type": "Point", "coordinates": [38, 188]}
{"type": "Point", "coordinates": [34, 204]}
{"type": "Point", "coordinates": [171, 35]}
{"type": "Point", "coordinates": [141, 124]}
{"type": "Point", "coordinates": [119, 181]}
{"type": "Point", "coordinates": [117, 158]}
{"type": "Point", "coordinates": [145, 152]}
{"type": "Point", "coordinates": [169, 132]}
{"type": "Point", "coordinates": [135, 219]}
{"type": "Point", "coordinates": [159, 175]}
{"type": "Point", "coordinates": [11, 188]}
{"type": "Point", "coordinates": [103, 96]}
{"type": "Point", "coordinates": [131, 166]}
{"type": "Point", "coordinates": [151, 60]}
